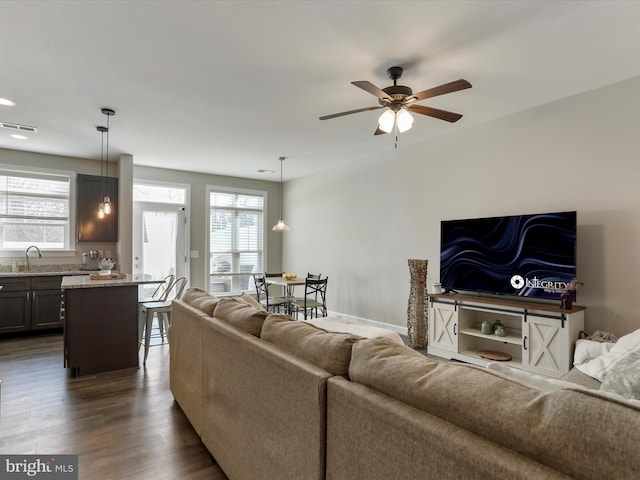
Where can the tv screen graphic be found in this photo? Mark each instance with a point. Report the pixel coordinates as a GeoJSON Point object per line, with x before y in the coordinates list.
{"type": "Point", "coordinates": [519, 255]}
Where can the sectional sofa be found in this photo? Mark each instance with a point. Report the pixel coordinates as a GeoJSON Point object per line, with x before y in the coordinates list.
{"type": "Point", "coordinates": [274, 398]}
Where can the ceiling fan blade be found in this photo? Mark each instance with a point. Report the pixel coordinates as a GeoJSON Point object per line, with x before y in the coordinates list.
{"type": "Point", "coordinates": [379, 132]}
{"type": "Point", "coordinates": [366, 109]}
{"type": "Point", "coordinates": [434, 112]}
{"type": "Point", "coordinates": [372, 89]}
{"type": "Point", "coordinates": [441, 90]}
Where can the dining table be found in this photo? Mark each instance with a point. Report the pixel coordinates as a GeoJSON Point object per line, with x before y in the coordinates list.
{"type": "Point", "coordinates": [288, 285]}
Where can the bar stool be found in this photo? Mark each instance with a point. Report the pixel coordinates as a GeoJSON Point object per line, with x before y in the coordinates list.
{"type": "Point", "coordinates": [161, 309]}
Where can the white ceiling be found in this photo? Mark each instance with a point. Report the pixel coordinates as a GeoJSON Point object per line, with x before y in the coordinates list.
{"type": "Point", "coordinates": [227, 87]}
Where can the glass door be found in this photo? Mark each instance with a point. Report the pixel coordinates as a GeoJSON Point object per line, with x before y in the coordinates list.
{"type": "Point", "coordinates": [159, 247]}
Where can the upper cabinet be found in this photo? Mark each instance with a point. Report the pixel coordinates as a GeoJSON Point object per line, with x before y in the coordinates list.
{"type": "Point", "coordinates": [91, 191]}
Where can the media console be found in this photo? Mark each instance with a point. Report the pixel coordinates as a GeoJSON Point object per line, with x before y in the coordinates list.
{"type": "Point", "coordinates": [540, 337]}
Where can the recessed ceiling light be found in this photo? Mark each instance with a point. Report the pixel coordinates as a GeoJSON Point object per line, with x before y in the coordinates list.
{"type": "Point", "coordinates": [262, 170]}
{"type": "Point", "coordinates": [19, 137]}
{"type": "Point", "coordinates": [6, 102]}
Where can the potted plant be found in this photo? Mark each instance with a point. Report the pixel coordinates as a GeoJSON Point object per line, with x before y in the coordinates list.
{"type": "Point", "coordinates": [565, 293]}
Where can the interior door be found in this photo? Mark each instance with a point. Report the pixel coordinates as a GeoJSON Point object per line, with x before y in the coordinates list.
{"type": "Point", "coordinates": [159, 246]}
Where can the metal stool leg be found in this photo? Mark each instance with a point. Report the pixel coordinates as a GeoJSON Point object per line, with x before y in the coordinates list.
{"type": "Point", "coordinates": [147, 334]}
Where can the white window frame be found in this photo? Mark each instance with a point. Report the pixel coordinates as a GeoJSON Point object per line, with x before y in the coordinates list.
{"type": "Point", "coordinates": [70, 226]}
{"type": "Point", "coordinates": [208, 274]}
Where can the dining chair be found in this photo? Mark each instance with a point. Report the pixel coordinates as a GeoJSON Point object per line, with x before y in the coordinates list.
{"type": "Point", "coordinates": [160, 309]}
{"type": "Point", "coordinates": [314, 276]}
{"type": "Point", "coordinates": [315, 297]}
{"type": "Point", "coordinates": [270, 303]}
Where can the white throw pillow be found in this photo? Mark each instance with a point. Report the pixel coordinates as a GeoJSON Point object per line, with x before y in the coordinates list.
{"type": "Point", "coordinates": [623, 353]}
{"type": "Point", "coordinates": [625, 382]}
{"type": "Point", "coordinates": [589, 349]}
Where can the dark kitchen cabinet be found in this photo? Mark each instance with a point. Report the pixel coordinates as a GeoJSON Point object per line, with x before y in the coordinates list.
{"type": "Point", "coordinates": [90, 193]}
{"type": "Point", "coordinates": [45, 302]}
{"type": "Point", "coordinates": [29, 303]}
{"type": "Point", "coordinates": [15, 307]}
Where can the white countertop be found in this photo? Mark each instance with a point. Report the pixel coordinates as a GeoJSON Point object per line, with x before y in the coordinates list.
{"type": "Point", "coordinates": [83, 281]}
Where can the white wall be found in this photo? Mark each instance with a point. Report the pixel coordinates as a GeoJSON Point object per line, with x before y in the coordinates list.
{"type": "Point", "coordinates": [360, 223]}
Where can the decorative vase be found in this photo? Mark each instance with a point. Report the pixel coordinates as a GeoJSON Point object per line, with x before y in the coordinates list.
{"type": "Point", "coordinates": [417, 312]}
{"type": "Point", "coordinates": [566, 303]}
{"type": "Point", "coordinates": [486, 329]}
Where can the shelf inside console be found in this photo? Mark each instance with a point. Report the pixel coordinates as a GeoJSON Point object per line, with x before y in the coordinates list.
{"type": "Point", "coordinates": [510, 338]}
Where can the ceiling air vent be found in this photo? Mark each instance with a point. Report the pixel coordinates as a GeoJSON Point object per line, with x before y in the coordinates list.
{"type": "Point", "coordinates": [15, 126]}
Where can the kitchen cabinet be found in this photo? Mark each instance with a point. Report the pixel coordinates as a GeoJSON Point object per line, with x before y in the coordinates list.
{"type": "Point", "coordinates": [101, 323]}
{"type": "Point", "coordinates": [90, 193]}
{"type": "Point", "coordinates": [29, 303]}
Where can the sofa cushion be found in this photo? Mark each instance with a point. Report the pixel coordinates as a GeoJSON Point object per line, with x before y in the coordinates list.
{"type": "Point", "coordinates": [201, 300]}
{"type": "Point", "coordinates": [245, 297]}
{"type": "Point", "coordinates": [240, 314]}
{"type": "Point", "coordinates": [330, 351]}
{"type": "Point", "coordinates": [562, 428]}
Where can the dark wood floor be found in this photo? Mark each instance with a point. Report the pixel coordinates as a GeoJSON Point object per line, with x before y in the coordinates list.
{"type": "Point", "coordinates": [123, 424]}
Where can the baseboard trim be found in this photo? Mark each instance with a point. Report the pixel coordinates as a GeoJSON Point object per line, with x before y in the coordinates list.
{"type": "Point", "coordinates": [395, 328]}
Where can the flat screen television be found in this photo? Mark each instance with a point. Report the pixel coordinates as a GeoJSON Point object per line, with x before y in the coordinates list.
{"type": "Point", "coordinates": [518, 255]}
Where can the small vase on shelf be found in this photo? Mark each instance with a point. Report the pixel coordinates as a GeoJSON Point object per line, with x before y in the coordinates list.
{"type": "Point", "coordinates": [566, 303]}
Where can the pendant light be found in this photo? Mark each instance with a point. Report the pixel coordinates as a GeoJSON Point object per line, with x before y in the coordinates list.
{"type": "Point", "coordinates": [104, 207]}
{"type": "Point", "coordinates": [102, 130]}
{"type": "Point", "coordinates": [280, 226]}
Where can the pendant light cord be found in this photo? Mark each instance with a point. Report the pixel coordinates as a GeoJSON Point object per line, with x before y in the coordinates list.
{"type": "Point", "coordinates": [107, 156]}
{"type": "Point", "coordinates": [281, 160]}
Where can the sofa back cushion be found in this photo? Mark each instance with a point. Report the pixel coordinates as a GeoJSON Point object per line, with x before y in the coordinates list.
{"type": "Point", "coordinates": [201, 300]}
{"type": "Point", "coordinates": [565, 429]}
{"type": "Point", "coordinates": [239, 313]}
{"type": "Point", "coordinates": [330, 351]}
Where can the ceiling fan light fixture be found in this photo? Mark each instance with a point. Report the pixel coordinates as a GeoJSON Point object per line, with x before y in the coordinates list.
{"type": "Point", "coordinates": [386, 121]}
{"type": "Point", "coordinates": [404, 120]}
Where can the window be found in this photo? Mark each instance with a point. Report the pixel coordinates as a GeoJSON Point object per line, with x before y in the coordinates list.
{"type": "Point", "coordinates": [156, 193]}
{"type": "Point", "coordinates": [34, 209]}
{"type": "Point", "coordinates": [236, 238]}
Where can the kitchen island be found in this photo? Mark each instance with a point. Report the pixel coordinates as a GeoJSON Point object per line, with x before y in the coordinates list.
{"type": "Point", "coordinates": [100, 322]}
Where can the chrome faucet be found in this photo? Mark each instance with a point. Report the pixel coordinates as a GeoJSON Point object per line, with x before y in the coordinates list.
{"type": "Point", "coordinates": [26, 257]}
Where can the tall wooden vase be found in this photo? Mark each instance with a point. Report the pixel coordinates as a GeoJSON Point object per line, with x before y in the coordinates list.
{"type": "Point", "coordinates": [418, 312]}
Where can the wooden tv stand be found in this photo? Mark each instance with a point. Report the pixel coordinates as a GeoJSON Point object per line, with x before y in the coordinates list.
{"type": "Point", "coordinates": [540, 337]}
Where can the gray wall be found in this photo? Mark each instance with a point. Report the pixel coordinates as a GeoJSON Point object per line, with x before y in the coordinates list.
{"type": "Point", "coordinates": [199, 216]}
{"type": "Point", "coordinates": [78, 165]}
{"type": "Point", "coordinates": [360, 223]}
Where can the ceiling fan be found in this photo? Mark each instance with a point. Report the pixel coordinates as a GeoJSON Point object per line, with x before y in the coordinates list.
{"type": "Point", "coordinates": [400, 100]}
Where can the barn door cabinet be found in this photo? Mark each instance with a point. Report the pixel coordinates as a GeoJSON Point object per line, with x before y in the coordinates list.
{"type": "Point", "coordinates": [539, 337]}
